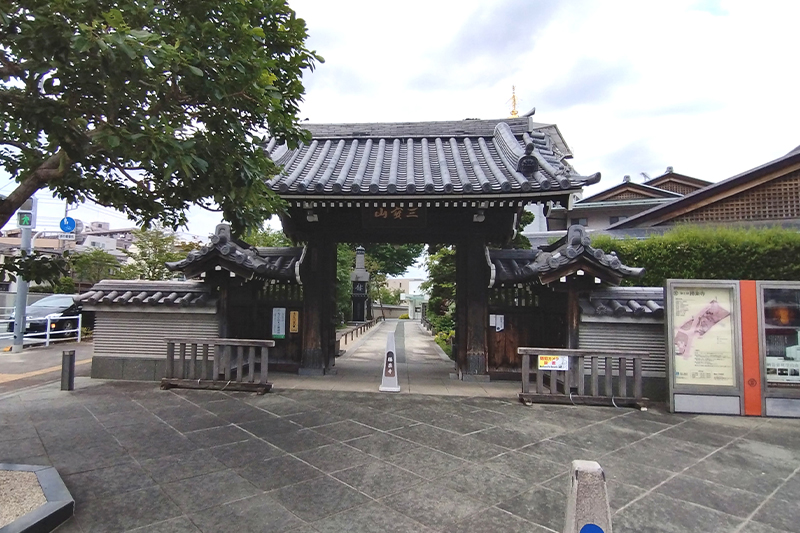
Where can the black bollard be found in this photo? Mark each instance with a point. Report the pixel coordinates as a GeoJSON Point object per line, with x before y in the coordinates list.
{"type": "Point", "coordinates": [68, 370]}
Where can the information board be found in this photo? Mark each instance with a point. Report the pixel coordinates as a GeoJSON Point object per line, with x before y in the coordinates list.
{"type": "Point", "coordinates": [703, 337]}
{"type": "Point", "coordinates": [704, 346]}
{"type": "Point", "coordinates": [278, 322]}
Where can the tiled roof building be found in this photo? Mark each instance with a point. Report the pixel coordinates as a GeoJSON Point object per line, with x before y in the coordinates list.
{"type": "Point", "coordinates": [413, 159]}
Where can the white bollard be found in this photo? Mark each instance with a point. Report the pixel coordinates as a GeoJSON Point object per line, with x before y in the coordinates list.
{"type": "Point", "coordinates": [587, 504]}
{"type": "Point", "coordinates": [389, 382]}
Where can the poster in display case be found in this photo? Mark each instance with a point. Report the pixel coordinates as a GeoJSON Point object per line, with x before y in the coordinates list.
{"type": "Point", "coordinates": [703, 339]}
{"type": "Point", "coordinates": [704, 346]}
{"type": "Point", "coordinates": [781, 331]}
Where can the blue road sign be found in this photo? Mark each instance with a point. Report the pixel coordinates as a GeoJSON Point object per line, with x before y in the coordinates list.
{"type": "Point", "coordinates": [67, 224]}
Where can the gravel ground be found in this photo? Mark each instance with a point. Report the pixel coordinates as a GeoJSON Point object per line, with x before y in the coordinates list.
{"type": "Point", "coordinates": [20, 494]}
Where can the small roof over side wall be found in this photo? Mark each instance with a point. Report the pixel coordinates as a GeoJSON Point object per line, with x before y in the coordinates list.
{"type": "Point", "coordinates": [242, 259]}
{"type": "Point", "coordinates": [624, 302]}
{"type": "Point", "coordinates": [567, 256]}
{"type": "Point", "coordinates": [130, 293]}
{"type": "Point", "coordinates": [418, 159]}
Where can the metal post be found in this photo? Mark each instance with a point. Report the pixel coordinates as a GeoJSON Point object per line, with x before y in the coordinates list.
{"type": "Point", "coordinates": [68, 370]}
{"type": "Point", "coordinates": [80, 326]}
{"type": "Point", "coordinates": [21, 304]}
{"type": "Point", "coordinates": [47, 332]}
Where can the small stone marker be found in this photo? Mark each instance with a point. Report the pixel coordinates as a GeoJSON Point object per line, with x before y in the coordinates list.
{"type": "Point", "coordinates": [587, 504]}
{"type": "Point", "coordinates": [389, 382]}
{"type": "Point", "coordinates": [68, 370]}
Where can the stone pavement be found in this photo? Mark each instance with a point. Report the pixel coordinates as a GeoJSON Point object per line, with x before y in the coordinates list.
{"type": "Point", "coordinates": [140, 459]}
{"type": "Point", "coordinates": [422, 367]}
{"type": "Point", "coordinates": [329, 454]}
{"type": "Point", "coordinates": [41, 364]}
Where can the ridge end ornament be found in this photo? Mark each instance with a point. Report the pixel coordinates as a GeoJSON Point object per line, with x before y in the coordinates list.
{"type": "Point", "coordinates": [528, 164]}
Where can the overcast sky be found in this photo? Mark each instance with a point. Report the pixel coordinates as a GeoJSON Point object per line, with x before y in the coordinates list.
{"type": "Point", "coordinates": [708, 87]}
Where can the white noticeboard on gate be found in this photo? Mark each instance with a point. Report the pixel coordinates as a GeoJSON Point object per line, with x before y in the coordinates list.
{"type": "Point", "coordinates": [279, 323]}
{"type": "Point", "coordinates": [704, 355]}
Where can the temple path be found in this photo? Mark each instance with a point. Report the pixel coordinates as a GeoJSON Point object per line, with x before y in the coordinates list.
{"type": "Point", "coordinates": [422, 367]}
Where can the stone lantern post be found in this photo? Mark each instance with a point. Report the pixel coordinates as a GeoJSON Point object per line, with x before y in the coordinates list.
{"type": "Point", "coordinates": [360, 279]}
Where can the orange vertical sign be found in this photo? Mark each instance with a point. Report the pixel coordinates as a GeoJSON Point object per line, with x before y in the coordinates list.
{"type": "Point", "coordinates": [294, 321]}
{"type": "Point", "coordinates": [751, 362]}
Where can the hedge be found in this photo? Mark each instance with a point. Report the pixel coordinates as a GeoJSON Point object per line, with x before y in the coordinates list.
{"type": "Point", "coordinates": [694, 252]}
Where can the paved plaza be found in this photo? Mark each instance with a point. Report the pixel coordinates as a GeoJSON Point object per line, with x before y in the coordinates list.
{"type": "Point", "coordinates": [444, 457]}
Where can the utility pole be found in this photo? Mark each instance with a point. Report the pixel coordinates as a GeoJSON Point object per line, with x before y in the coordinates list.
{"type": "Point", "coordinates": [26, 221]}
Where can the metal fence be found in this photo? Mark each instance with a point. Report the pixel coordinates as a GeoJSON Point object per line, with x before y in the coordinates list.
{"type": "Point", "coordinates": [51, 330]}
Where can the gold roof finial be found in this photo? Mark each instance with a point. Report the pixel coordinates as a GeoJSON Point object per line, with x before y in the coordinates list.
{"type": "Point", "coordinates": [514, 112]}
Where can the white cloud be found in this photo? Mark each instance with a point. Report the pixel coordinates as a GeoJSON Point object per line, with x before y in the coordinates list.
{"type": "Point", "coordinates": [708, 87]}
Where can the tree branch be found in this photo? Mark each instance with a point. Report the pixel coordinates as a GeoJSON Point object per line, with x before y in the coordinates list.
{"type": "Point", "coordinates": [219, 210]}
{"type": "Point", "coordinates": [53, 168]}
{"type": "Point", "coordinates": [22, 146]}
{"type": "Point", "coordinates": [9, 68]}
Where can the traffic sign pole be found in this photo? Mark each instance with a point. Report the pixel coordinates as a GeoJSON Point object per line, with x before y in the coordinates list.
{"type": "Point", "coordinates": [21, 303]}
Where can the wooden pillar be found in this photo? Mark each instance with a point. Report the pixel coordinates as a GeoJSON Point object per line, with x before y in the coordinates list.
{"type": "Point", "coordinates": [331, 320]}
{"type": "Point", "coordinates": [222, 281]}
{"type": "Point", "coordinates": [313, 360]}
{"type": "Point", "coordinates": [472, 297]}
{"type": "Point", "coordinates": [573, 318]}
{"type": "Point", "coordinates": [460, 344]}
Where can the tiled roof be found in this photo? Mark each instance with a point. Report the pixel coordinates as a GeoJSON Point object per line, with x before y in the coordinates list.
{"type": "Point", "coordinates": [643, 190]}
{"type": "Point", "coordinates": [459, 157]}
{"type": "Point", "coordinates": [631, 302]}
{"type": "Point", "coordinates": [560, 258]}
{"type": "Point", "coordinates": [139, 292]}
{"type": "Point", "coordinates": [718, 192]}
{"type": "Point", "coordinates": [241, 259]}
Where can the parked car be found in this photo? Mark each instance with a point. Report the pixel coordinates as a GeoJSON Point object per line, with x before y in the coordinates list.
{"type": "Point", "coordinates": [52, 307]}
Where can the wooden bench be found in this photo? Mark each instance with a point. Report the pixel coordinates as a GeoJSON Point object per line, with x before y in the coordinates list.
{"type": "Point", "coordinates": [559, 386]}
{"type": "Point", "coordinates": [218, 364]}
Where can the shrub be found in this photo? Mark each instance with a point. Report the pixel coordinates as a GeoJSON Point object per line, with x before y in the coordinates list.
{"type": "Point", "coordinates": [445, 341]}
{"type": "Point", "coordinates": [404, 316]}
{"type": "Point", "coordinates": [441, 323]}
{"type": "Point", "coordinates": [694, 252]}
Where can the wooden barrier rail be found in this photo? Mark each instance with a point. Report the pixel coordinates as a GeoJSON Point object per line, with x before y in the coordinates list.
{"type": "Point", "coordinates": [427, 325]}
{"type": "Point", "coordinates": [357, 330]}
{"type": "Point", "coordinates": [577, 359]}
{"type": "Point", "coordinates": [217, 364]}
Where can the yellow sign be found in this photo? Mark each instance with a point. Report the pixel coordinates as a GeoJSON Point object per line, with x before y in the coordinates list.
{"type": "Point", "coordinates": [294, 321]}
{"type": "Point", "coordinates": [553, 362]}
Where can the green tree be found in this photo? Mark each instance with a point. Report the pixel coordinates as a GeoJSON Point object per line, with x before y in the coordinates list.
{"type": "Point", "coordinates": [388, 296]}
{"type": "Point", "coordinates": [441, 282]}
{"type": "Point", "coordinates": [150, 250]}
{"type": "Point", "coordinates": [380, 260]}
{"type": "Point", "coordinates": [345, 262]}
{"type": "Point", "coordinates": [520, 241]}
{"type": "Point", "coordinates": [267, 237]}
{"type": "Point", "coordinates": [149, 107]}
{"type": "Point", "coordinates": [392, 259]}
{"type": "Point", "coordinates": [94, 265]}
